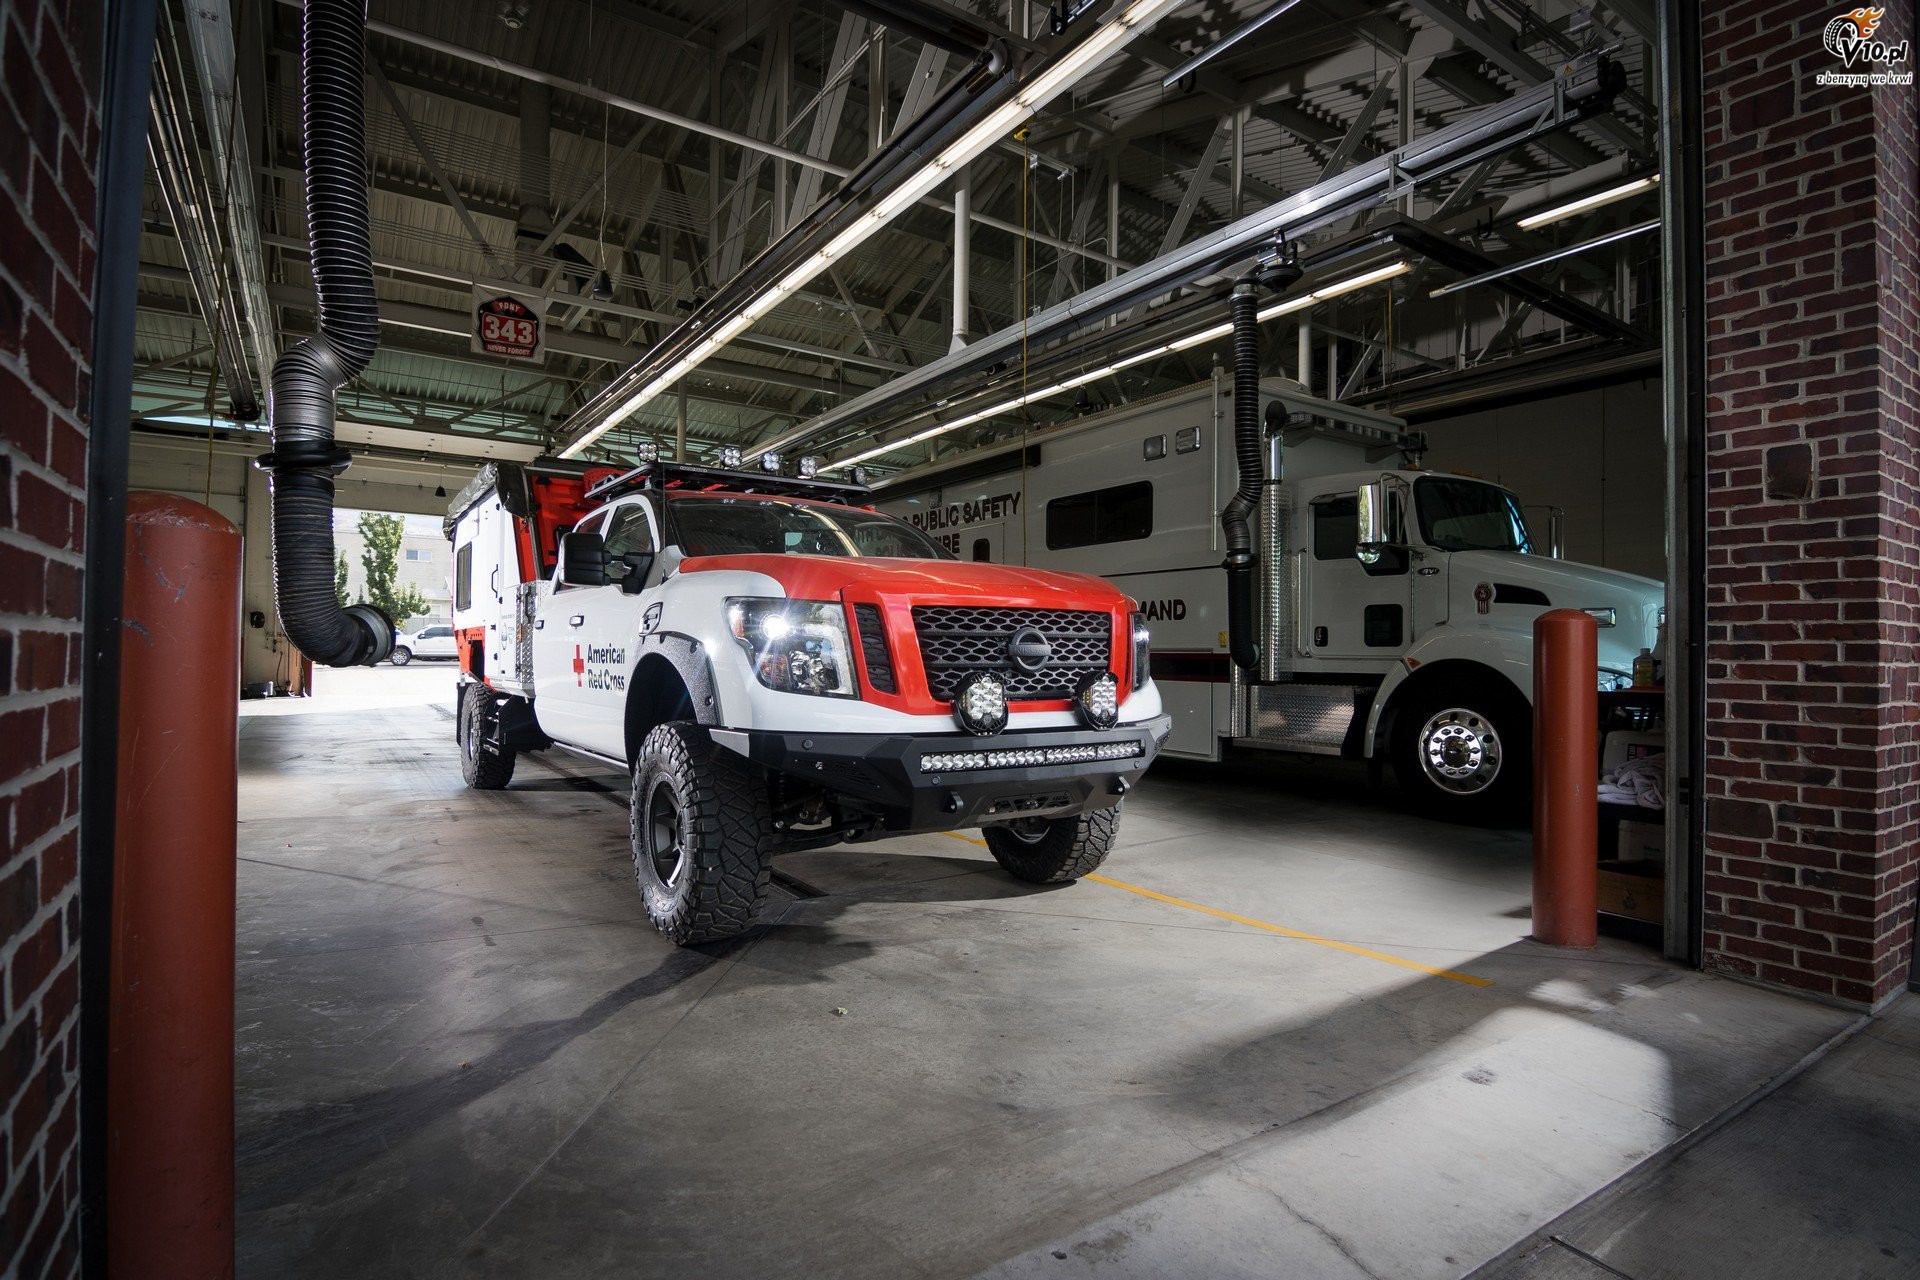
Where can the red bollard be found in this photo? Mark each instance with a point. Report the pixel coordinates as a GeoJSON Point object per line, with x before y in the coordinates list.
{"type": "Point", "coordinates": [1566, 779]}
{"type": "Point", "coordinates": [170, 1038]}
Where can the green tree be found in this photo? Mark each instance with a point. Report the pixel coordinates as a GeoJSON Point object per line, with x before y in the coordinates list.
{"type": "Point", "coordinates": [399, 601]}
{"type": "Point", "coordinates": [340, 579]}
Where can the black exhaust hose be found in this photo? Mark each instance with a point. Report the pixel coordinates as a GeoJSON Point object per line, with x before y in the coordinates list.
{"type": "Point", "coordinates": [1236, 515]}
{"type": "Point", "coordinates": [305, 459]}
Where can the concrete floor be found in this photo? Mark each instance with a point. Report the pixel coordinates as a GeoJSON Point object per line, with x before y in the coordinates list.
{"type": "Point", "coordinates": [463, 1051]}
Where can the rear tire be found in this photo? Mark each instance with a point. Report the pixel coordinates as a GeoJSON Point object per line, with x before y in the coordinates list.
{"type": "Point", "coordinates": [1465, 752]}
{"type": "Point", "coordinates": [1054, 850]}
{"type": "Point", "coordinates": [484, 769]}
{"type": "Point", "coordinates": [702, 833]}
{"type": "Point", "coordinates": [400, 656]}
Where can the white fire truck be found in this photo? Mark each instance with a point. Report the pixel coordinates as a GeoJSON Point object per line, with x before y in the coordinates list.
{"type": "Point", "coordinates": [1409, 640]}
{"type": "Point", "coordinates": [778, 666]}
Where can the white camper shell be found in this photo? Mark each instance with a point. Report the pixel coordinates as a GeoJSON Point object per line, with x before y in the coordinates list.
{"type": "Point", "coordinates": [1421, 651]}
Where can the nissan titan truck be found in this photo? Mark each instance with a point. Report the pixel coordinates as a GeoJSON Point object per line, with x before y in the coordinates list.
{"type": "Point", "coordinates": [778, 666]}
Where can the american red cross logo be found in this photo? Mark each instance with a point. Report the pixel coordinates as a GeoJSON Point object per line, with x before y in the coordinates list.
{"type": "Point", "coordinates": [579, 667]}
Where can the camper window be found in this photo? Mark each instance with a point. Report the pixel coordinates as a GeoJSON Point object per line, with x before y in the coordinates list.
{"type": "Point", "coordinates": [463, 578]}
{"type": "Point", "coordinates": [1123, 513]}
{"type": "Point", "coordinates": [1336, 527]}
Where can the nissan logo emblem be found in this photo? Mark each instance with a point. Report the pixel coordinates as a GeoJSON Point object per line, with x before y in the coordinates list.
{"type": "Point", "coordinates": [1029, 649]}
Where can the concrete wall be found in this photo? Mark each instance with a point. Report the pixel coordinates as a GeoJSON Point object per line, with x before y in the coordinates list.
{"type": "Point", "coordinates": [1598, 455]}
{"type": "Point", "coordinates": [225, 478]}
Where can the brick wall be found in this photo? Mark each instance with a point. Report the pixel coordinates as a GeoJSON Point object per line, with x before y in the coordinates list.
{"type": "Point", "coordinates": [49, 67]}
{"type": "Point", "coordinates": [1812, 598]}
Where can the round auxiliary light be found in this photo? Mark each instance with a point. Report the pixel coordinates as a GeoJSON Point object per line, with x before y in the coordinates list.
{"type": "Point", "coordinates": [1099, 700]}
{"type": "Point", "coordinates": [980, 704]}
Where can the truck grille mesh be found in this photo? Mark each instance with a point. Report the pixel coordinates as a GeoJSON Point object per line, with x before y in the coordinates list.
{"type": "Point", "coordinates": [957, 639]}
{"type": "Point", "coordinates": [873, 648]}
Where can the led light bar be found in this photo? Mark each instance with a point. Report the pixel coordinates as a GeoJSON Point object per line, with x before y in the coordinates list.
{"type": "Point", "coordinates": [1584, 203]}
{"type": "Point", "coordinates": [1048, 85]}
{"type": "Point", "coordinates": [1334, 290]}
{"type": "Point", "coordinates": [1028, 757]}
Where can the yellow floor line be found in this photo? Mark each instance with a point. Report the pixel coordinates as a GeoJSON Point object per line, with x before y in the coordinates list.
{"type": "Point", "coordinates": [1282, 930]}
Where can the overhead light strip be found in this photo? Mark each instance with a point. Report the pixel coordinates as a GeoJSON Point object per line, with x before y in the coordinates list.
{"type": "Point", "coordinates": [1049, 84]}
{"type": "Point", "coordinates": [1625, 233]}
{"type": "Point", "coordinates": [1585, 203]}
{"type": "Point", "coordinates": [1348, 285]}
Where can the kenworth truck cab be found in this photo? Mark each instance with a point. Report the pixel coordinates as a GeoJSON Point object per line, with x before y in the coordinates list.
{"type": "Point", "coordinates": [1413, 644]}
{"type": "Point", "coordinates": [778, 667]}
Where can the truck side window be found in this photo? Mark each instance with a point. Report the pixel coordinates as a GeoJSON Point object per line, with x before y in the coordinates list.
{"type": "Point", "coordinates": [463, 577]}
{"type": "Point", "coordinates": [630, 532]}
{"type": "Point", "coordinates": [1336, 527]}
{"type": "Point", "coordinates": [1123, 513]}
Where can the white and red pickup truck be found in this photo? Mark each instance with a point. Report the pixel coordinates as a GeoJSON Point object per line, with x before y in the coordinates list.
{"type": "Point", "coordinates": [778, 666]}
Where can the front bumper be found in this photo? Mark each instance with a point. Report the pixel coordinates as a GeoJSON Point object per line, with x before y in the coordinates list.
{"type": "Point", "coordinates": [944, 782]}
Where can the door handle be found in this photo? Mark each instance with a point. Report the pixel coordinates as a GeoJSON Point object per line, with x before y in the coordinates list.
{"type": "Point", "coordinates": [493, 583]}
{"type": "Point", "coordinates": [539, 624]}
{"type": "Point", "coordinates": [577, 620]}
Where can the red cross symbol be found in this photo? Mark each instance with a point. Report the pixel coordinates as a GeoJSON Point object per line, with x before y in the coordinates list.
{"type": "Point", "coordinates": [579, 667]}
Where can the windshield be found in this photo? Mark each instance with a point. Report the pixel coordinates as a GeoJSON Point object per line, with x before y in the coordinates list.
{"type": "Point", "coordinates": [771, 527]}
{"type": "Point", "coordinates": [1466, 515]}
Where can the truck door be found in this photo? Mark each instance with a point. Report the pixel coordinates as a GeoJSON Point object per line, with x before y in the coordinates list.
{"type": "Point", "coordinates": [608, 644]}
{"type": "Point", "coordinates": [559, 640]}
{"type": "Point", "coordinates": [1358, 616]}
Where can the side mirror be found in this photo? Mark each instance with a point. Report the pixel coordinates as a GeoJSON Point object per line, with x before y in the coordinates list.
{"type": "Point", "coordinates": [637, 565]}
{"type": "Point", "coordinates": [1372, 537]}
{"type": "Point", "coordinates": [583, 560]}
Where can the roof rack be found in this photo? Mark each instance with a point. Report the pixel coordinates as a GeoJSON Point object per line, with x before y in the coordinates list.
{"type": "Point", "coordinates": [680, 477]}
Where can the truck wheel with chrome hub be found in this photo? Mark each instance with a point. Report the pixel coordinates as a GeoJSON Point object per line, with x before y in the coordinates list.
{"type": "Point", "coordinates": [702, 834]}
{"type": "Point", "coordinates": [1464, 750]}
{"type": "Point", "coordinates": [1054, 850]}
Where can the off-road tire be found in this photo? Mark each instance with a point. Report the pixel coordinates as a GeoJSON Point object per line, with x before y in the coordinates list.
{"type": "Point", "coordinates": [702, 834]}
{"type": "Point", "coordinates": [1477, 709]}
{"type": "Point", "coordinates": [400, 656]}
{"type": "Point", "coordinates": [1054, 850]}
{"type": "Point", "coordinates": [483, 770]}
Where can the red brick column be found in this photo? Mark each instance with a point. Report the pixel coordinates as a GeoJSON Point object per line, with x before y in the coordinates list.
{"type": "Point", "coordinates": [1813, 538]}
{"type": "Point", "coordinates": [49, 72]}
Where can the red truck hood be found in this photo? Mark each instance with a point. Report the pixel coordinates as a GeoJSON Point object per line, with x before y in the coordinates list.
{"type": "Point", "coordinates": [954, 581]}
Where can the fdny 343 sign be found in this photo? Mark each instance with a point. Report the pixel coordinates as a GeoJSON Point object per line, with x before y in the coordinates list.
{"type": "Point", "coordinates": [508, 326]}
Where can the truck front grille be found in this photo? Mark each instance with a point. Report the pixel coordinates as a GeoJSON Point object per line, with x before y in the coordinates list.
{"type": "Point", "coordinates": [957, 639]}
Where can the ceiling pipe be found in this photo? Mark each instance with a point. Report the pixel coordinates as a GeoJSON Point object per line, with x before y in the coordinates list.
{"type": "Point", "coordinates": [922, 23]}
{"type": "Point", "coordinates": [186, 192]}
{"type": "Point", "coordinates": [1581, 89]}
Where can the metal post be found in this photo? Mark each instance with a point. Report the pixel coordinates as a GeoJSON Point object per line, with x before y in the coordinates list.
{"type": "Point", "coordinates": [1238, 166]}
{"type": "Point", "coordinates": [1566, 779]}
{"type": "Point", "coordinates": [962, 258]}
{"type": "Point", "coordinates": [680, 423]}
{"type": "Point", "coordinates": [877, 91]}
{"type": "Point", "coordinates": [1306, 356]}
{"type": "Point", "coordinates": [170, 1039]}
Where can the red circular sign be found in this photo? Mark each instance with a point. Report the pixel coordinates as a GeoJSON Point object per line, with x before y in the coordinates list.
{"type": "Point", "coordinates": [507, 327]}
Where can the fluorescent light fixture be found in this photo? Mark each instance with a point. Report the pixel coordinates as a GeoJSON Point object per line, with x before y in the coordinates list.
{"type": "Point", "coordinates": [1584, 203]}
{"type": "Point", "coordinates": [997, 124]}
{"type": "Point", "coordinates": [1348, 285]}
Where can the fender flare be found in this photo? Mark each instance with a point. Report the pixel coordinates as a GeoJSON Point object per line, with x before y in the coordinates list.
{"type": "Point", "coordinates": [688, 659]}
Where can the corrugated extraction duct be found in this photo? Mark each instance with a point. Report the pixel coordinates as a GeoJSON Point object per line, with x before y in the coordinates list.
{"type": "Point", "coordinates": [305, 459]}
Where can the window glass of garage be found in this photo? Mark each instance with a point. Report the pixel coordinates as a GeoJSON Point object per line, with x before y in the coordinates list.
{"type": "Point", "coordinates": [1122, 513]}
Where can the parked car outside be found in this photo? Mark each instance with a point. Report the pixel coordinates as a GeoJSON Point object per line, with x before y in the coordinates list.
{"type": "Point", "coordinates": [427, 642]}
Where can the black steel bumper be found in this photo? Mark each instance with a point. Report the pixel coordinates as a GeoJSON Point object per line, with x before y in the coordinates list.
{"type": "Point", "coordinates": [943, 782]}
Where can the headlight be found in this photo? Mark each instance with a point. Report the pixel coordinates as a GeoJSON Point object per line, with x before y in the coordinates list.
{"type": "Point", "coordinates": [1141, 655]}
{"type": "Point", "coordinates": [1613, 681]}
{"type": "Point", "coordinates": [796, 646]}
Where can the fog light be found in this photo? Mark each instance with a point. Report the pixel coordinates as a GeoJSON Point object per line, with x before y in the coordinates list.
{"type": "Point", "coordinates": [1099, 700]}
{"type": "Point", "coordinates": [809, 467]}
{"type": "Point", "coordinates": [980, 706]}
{"type": "Point", "coordinates": [730, 457]}
{"type": "Point", "coordinates": [770, 463]}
